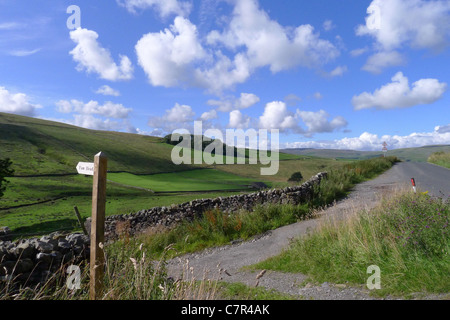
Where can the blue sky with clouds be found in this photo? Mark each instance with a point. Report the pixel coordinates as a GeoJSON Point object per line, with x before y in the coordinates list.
{"type": "Point", "coordinates": [328, 74]}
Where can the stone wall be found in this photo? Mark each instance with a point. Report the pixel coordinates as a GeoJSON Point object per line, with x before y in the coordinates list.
{"type": "Point", "coordinates": [143, 220]}
{"type": "Point", "coordinates": [34, 260]}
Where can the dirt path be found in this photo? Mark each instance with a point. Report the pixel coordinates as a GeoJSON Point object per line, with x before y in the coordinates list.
{"type": "Point", "coordinates": [225, 263]}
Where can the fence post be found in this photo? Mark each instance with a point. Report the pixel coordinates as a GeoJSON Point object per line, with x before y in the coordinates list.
{"type": "Point", "coordinates": [97, 261]}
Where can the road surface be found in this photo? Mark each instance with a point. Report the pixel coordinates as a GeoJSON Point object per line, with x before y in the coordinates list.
{"type": "Point", "coordinates": [225, 263]}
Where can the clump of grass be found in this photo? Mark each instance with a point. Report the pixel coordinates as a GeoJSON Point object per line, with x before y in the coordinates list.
{"type": "Point", "coordinates": [406, 236]}
{"type": "Point", "coordinates": [440, 158]}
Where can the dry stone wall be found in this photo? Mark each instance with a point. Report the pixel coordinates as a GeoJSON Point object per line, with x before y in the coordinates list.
{"type": "Point", "coordinates": [143, 220]}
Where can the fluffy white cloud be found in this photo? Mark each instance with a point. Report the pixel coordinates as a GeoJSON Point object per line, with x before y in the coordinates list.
{"type": "Point", "coordinates": [16, 103]}
{"type": "Point", "coordinates": [317, 122]}
{"type": "Point", "coordinates": [268, 43]}
{"type": "Point", "coordinates": [395, 24]}
{"type": "Point", "coordinates": [398, 94]}
{"type": "Point", "coordinates": [91, 57]}
{"type": "Point", "coordinates": [108, 91]}
{"type": "Point", "coordinates": [417, 23]}
{"type": "Point", "coordinates": [164, 7]}
{"type": "Point", "coordinates": [372, 142]}
{"type": "Point", "coordinates": [277, 116]}
{"type": "Point", "coordinates": [209, 115]}
{"type": "Point", "coordinates": [178, 117]}
{"type": "Point", "coordinates": [238, 120]}
{"type": "Point", "coordinates": [177, 56]}
{"type": "Point", "coordinates": [246, 100]}
{"type": "Point", "coordinates": [109, 109]}
{"type": "Point", "coordinates": [381, 60]}
{"type": "Point", "coordinates": [167, 56]}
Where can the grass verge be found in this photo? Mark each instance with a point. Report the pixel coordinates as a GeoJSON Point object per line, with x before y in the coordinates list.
{"type": "Point", "coordinates": [407, 237]}
{"type": "Point", "coordinates": [441, 159]}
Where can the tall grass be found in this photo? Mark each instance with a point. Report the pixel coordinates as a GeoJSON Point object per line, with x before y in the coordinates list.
{"type": "Point", "coordinates": [407, 237]}
{"type": "Point", "coordinates": [131, 273]}
{"type": "Point", "coordinates": [440, 158]}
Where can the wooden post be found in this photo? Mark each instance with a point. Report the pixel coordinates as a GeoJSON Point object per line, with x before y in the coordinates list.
{"type": "Point", "coordinates": [80, 221]}
{"type": "Point", "coordinates": [97, 262]}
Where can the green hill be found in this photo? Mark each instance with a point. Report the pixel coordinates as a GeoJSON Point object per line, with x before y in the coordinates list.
{"type": "Point", "coordinates": [420, 154]}
{"type": "Point", "coordinates": [41, 147]}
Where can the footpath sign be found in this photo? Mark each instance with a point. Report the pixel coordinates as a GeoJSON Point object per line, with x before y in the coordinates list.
{"type": "Point", "coordinates": [86, 168]}
{"type": "Point", "coordinates": [98, 169]}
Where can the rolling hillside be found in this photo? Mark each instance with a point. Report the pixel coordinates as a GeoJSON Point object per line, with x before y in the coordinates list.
{"type": "Point", "coordinates": [420, 154]}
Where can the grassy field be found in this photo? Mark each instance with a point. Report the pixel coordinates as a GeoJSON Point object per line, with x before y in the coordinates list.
{"type": "Point", "coordinates": [440, 158]}
{"type": "Point", "coordinates": [194, 180]}
{"type": "Point", "coordinates": [407, 237]}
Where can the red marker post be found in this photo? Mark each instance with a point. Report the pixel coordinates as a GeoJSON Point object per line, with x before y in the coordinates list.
{"type": "Point", "coordinates": [413, 181]}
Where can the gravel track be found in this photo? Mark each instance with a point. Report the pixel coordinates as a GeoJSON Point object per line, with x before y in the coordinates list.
{"type": "Point", "coordinates": [225, 263]}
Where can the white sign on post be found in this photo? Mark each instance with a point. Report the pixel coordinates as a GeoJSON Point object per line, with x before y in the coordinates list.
{"type": "Point", "coordinates": [86, 168]}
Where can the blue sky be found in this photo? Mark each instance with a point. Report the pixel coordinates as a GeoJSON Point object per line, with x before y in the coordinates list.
{"type": "Point", "coordinates": [328, 74]}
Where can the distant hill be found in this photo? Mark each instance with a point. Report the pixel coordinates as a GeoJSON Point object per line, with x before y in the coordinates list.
{"type": "Point", "coordinates": [42, 147]}
{"type": "Point", "coordinates": [420, 154]}
{"type": "Point", "coordinates": [39, 147]}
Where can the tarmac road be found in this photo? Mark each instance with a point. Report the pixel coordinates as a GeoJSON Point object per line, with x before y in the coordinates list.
{"type": "Point", "coordinates": [225, 263]}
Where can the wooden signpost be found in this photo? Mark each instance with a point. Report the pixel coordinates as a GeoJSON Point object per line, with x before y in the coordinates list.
{"type": "Point", "coordinates": [97, 263]}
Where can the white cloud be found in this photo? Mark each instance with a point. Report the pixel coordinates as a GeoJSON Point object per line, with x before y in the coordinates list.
{"type": "Point", "coordinates": [358, 52]}
{"type": "Point", "coordinates": [416, 23]}
{"type": "Point", "coordinates": [108, 91]}
{"type": "Point", "coordinates": [24, 53]}
{"type": "Point", "coordinates": [442, 129]}
{"type": "Point", "coordinates": [328, 25]}
{"type": "Point", "coordinates": [246, 100]}
{"type": "Point", "coordinates": [268, 43]}
{"type": "Point", "coordinates": [16, 103]}
{"type": "Point", "coordinates": [398, 94]}
{"type": "Point", "coordinates": [178, 117]}
{"type": "Point", "coordinates": [209, 115]}
{"type": "Point", "coordinates": [381, 60]}
{"type": "Point", "coordinates": [109, 109]}
{"type": "Point", "coordinates": [164, 7]}
{"type": "Point", "coordinates": [167, 56]}
{"type": "Point", "coordinates": [177, 56]}
{"type": "Point", "coordinates": [238, 120]}
{"type": "Point", "coordinates": [277, 116]}
{"type": "Point", "coordinates": [95, 59]}
{"type": "Point", "coordinates": [338, 71]}
{"type": "Point", "coordinates": [372, 142]}
{"type": "Point", "coordinates": [317, 122]}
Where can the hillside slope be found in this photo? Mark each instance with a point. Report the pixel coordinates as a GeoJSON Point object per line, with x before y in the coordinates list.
{"type": "Point", "coordinates": [39, 147]}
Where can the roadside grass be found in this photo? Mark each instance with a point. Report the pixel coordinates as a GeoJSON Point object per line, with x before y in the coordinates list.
{"type": "Point", "coordinates": [440, 158]}
{"type": "Point", "coordinates": [406, 236]}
